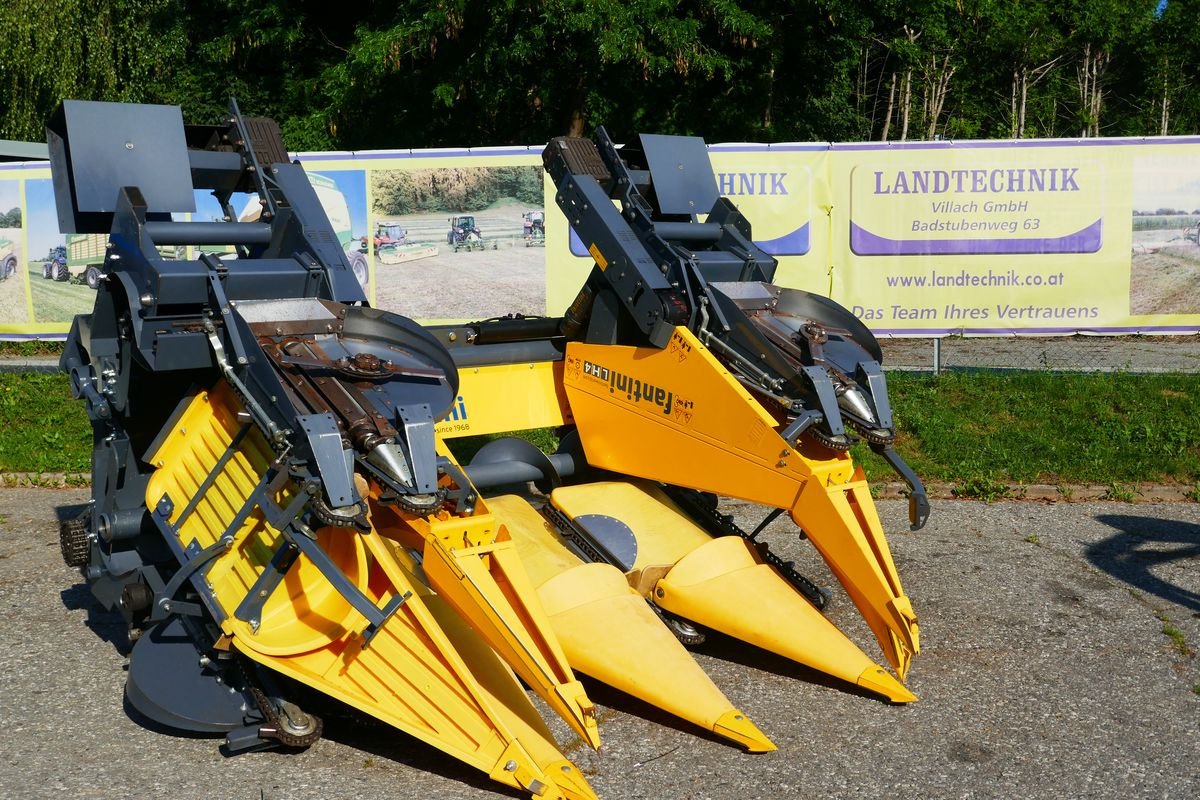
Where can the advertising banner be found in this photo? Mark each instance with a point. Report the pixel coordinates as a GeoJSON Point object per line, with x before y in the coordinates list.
{"type": "Point", "coordinates": [1032, 237]}
{"type": "Point", "coordinates": [1029, 237]}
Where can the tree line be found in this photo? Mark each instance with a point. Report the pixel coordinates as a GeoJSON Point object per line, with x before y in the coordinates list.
{"type": "Point", "coordinates": [492, 72]}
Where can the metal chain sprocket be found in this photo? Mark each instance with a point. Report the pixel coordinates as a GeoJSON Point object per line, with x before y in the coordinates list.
{"type": "Point", "coordinates": [686, 632]}
{"type": "Point", "coordinates": [879, 436]}
{"type": "Point", "coordinates": [74, 540]}
{"type": "Point", "coordinates": [840, 443]}
{"type": "Point", "coordinates": [292, 728]}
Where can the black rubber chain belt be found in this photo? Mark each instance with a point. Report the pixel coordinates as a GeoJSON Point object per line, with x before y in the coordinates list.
{"type": "Point", "coordinates": [714, 521]}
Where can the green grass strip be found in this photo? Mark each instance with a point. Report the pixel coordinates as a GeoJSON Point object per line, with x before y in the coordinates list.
{"type": "Point", "coordinates": [1047, 427]}
{"type": "Point", "coordinates": [42, 429]}
{"type": "Point", "coordinates": [978, 429]}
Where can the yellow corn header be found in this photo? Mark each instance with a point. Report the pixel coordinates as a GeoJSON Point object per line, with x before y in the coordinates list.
{"type": "Point", "coordinates": [274, 504]}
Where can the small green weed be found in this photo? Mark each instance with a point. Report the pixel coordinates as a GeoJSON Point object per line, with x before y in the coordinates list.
{"type": "Point", "coordinates": [980, 488]}
{"type": "Point", "coordinates": [1065, 492]}
{"type": "Point", "coordinates": [1178, 640]}
{"type": "Point", "coordinates": [1193, 494]}
{"type": "Point", "coordinates": [1122, 494]}
{"type": "Point", "coordinates": [1033, 538]}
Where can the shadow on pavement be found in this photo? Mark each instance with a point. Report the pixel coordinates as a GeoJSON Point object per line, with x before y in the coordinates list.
{"type": "Point", "coordinates": [1140, 545]}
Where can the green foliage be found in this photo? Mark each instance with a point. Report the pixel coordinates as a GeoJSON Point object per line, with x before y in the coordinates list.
{"type": "Point", "coordinates": [11, 218]}
{"type": "Point", "coordinates": [27, 348]}
{"type": "Point", "coordinates": [982, 488]}
{"type": "Point", "coordinates": [1119, 493]}
{"type": "Point", "coordinates": [468, 72]}
{"type": "Point", "coordinates": [124, 50]}
{"type": "Point", "coordinates": [45, 430]}
{"type": "Point", "coordinates": [1178, 640]}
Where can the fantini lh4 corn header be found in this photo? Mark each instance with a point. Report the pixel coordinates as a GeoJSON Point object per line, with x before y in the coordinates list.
{"type": "Point", "coordinates": [275, 510]}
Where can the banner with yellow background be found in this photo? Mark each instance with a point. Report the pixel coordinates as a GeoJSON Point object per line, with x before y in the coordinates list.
{"type": "Point", "coordinates": [917, 239]}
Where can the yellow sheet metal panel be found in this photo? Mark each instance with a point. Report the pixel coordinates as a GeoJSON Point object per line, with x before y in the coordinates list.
{"type": "Point", "coordinates": [507, 397]}
{"type": "Point", "coordinates": [664, 535]}
{"type": "Point", "coordinates": [542, 551]}
{"type": "Point", "coordinates": [487, 586]}
{"type": "Point", "coordinates": [414, 674]}
{"type": "Point", "coordinates": [676, 415]}
{"type": "Point", "coordinates": [843, 525]}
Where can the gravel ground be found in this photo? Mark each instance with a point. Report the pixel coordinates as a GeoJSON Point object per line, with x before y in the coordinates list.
{"type": "Point", "coordinates": [1045, 673]}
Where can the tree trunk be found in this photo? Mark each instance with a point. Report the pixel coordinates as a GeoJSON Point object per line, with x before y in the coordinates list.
{"type": "Point", "coordinates": [887, 120]}
{"type": "Point", "coordinates": [1164, 121]}
{"type": "Point", "coordinates": [577, 113]}
{"type": "Point", "coordinates": [940, 88]}
{"type": "Point", "coordinates": [1022, 104]}
{"type": "Point", "coordinates": [905, 104]}
{"type": "Point", "coordinates": [1014, 90]}
{"type": "Point", "coordinates": [1089, 77]}
{"type": "Point", "coordinates": [770, 95]}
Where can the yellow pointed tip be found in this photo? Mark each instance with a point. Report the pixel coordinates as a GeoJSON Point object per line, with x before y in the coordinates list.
{"type": "Point", "coordinates": [581, 713]}
{"type": "Point", "coordinates": [901, 655]}
{"type": "Point", "coordinates": [736, 726]}
{"type": "Point", "coordinates": [569, 783]}
{"type": "Point", "coordinates": [880, 681]}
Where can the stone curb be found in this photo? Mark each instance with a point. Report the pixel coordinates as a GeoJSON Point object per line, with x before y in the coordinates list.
{"type": "Point", "coordinates": [1060, 493]}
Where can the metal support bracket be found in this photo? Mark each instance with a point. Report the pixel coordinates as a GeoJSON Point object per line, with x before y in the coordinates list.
{"type": "Point", "coordinates": [823, 386]}
{"type": "Point", "coordinates": [375, 616]}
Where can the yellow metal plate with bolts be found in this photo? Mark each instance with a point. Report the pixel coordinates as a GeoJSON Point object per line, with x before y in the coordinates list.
{"type": "Point", "coordinates": [664, 534]}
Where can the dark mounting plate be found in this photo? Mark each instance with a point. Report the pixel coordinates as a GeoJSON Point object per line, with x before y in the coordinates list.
{"type": "Point", "coordinates": [682, 174]}
{"type": "Point", "coordinates": [96, 149]}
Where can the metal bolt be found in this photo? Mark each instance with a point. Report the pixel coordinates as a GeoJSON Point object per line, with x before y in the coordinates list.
{"type": "Point", "coordinates": [510, 766]}
{"type": "Point", "coordinates": [129, 145]}
{"type": "Point", "coordinates": [659, 591]}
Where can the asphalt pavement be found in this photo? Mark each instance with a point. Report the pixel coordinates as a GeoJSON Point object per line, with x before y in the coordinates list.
{"type": "Point", "coordinates": [1056, 662]}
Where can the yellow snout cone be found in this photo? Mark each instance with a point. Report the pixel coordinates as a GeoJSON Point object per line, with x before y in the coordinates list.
{"type": "Point", "coordinates": [724, 585]}
{"type": "Point", "coordinates": [607, 631]}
